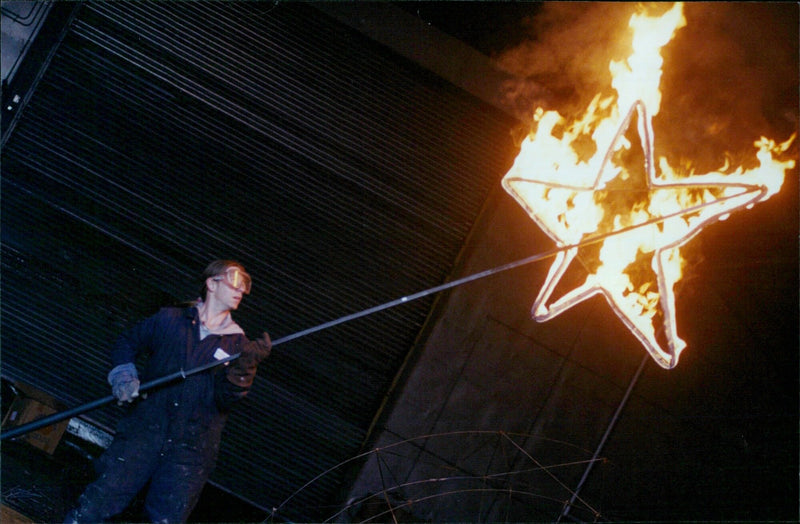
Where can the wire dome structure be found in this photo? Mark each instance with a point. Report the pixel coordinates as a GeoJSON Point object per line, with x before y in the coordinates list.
{"type": "Point", "coordinates": [460, 476]}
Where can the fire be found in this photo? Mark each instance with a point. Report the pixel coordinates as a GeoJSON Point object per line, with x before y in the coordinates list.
{"type": "Point", "coordinates": [601, 197]}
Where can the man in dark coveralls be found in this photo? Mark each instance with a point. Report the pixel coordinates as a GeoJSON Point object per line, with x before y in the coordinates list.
{"type": "Point", "coordinates": [170, 436]}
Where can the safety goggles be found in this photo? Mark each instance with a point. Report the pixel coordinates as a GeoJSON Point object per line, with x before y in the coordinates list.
{"type": "Point", "coordinates": [235, 278]}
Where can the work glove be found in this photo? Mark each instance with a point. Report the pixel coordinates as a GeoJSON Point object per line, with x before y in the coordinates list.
{"type": "Point", "coordinates": [242, 371]}
{"type": "Point", "coordinates": [124, 382]}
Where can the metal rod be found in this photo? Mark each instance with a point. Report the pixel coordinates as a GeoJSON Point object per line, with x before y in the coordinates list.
{"type": "Point", "coordinates": [57, 417]}
{"type": "Point", "coordinates": [602, 442]}
{"type": "Point", "coordinates": [52, 419]}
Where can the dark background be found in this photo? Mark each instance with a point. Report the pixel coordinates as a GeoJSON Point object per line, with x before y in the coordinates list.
{"type": "Point", "coordinates": [349, 155]}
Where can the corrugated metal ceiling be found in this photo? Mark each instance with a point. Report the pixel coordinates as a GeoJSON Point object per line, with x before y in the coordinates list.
{"type": "Point", "coordinates": [163, 135]}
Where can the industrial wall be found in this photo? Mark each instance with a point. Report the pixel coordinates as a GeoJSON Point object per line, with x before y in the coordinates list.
{"type": "Point", "coordinates": [501, 418]}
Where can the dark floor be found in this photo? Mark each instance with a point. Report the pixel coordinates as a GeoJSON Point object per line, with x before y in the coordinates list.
{"type": "Point", "coordinates": [43, 486]}
{"type": "Point", "coordinates": [39, 485]}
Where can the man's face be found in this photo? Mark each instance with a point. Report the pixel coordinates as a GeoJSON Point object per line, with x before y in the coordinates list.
{"type": "Point", "coordinates": [230, 286]}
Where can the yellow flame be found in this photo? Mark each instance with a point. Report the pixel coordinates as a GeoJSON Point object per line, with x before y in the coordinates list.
{"type": "Point", "coordinates": [638, 78]}
{"type": "Point", "coordinates": [575, 181]}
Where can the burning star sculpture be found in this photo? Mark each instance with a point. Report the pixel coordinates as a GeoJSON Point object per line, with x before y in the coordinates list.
{"type": "Point", "coordinates": [625, 227]}
{"type": "Point", "coordinates": [597, 195]}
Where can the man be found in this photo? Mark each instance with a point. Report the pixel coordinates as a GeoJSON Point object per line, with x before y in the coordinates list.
{"type": "Point", "coordinates": [170, 437]}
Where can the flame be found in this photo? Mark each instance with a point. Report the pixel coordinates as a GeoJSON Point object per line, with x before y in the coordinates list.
{"type": "Point", "coordinates": [602, 199]}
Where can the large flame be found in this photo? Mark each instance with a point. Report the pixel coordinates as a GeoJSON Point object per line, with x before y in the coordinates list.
{"type": "Point", "coordinates": [599, 196]}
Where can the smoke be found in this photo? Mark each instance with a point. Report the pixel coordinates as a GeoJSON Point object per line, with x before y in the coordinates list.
{"type": "Point", "coordinates": [567, 54]}
{"type": "Point", "coordinates": [730, 75]}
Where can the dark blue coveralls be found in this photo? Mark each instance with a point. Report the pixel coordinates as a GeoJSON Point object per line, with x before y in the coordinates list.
{"type": "Point", "coordinates": [171, 437]}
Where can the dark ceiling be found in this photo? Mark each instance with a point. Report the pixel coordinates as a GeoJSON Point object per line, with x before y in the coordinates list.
{"type": "Point", "coordinates": [489, 27]}
{"type": "Point", "coordinates": [151, 137]}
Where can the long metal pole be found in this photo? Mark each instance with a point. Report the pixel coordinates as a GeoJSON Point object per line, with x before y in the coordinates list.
{"type": "Point", "coordinates": [602, 442]}
{"type": "Point", "coordinates": [57, 417]}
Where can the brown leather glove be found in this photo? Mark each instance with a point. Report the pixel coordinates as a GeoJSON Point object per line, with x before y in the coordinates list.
{"type": "Point", "coordinates": [242, 371]}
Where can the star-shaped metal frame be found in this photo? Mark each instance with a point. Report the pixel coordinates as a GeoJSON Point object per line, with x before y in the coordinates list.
{"type": "Point", "coordinates": [613, 229]}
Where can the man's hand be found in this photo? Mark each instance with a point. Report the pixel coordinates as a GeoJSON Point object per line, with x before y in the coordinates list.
{"type": "Point", "coordinates": [124, 382]}
{"type": "Point", "coordinates": [257, 350]}
{"type": "Point", "coordinates": [242, 371]}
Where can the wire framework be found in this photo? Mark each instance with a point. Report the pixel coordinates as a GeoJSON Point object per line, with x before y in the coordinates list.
{"type": "Point", "coordinates": [478, 475]}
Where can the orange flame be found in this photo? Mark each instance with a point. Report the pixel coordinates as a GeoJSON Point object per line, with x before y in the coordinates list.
{"type": "Point", "coordinates": [583, 183]}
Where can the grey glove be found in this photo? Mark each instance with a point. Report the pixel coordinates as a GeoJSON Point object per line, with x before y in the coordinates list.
{"type": "Point", "coordinates": [243, 370]}
{"type": "Point", "coordinates": [124, 382]}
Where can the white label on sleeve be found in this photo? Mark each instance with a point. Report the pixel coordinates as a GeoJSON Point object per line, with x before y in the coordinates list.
{"type": "Point", "coordinates": [220, 354]}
